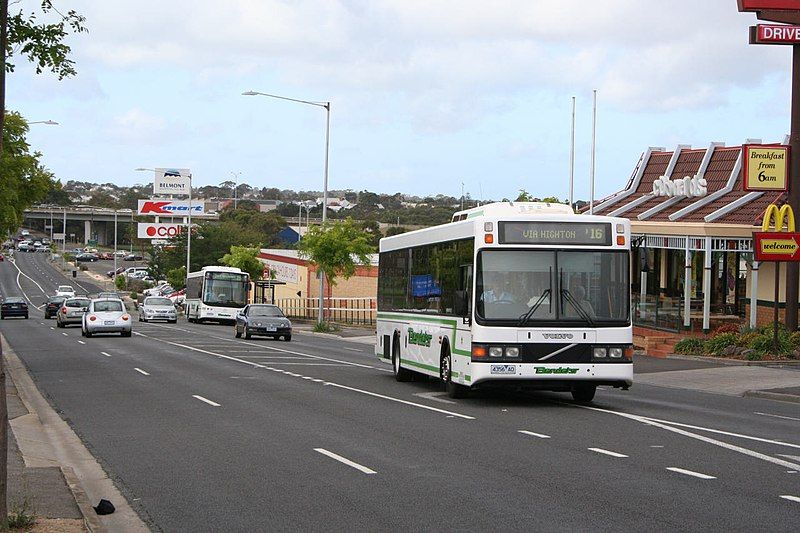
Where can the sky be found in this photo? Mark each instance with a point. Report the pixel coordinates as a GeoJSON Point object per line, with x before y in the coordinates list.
{"type": "Point", "coordinates": [425, 95]}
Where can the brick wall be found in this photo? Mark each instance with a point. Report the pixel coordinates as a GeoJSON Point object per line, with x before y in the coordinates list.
{"type": "Point", "coordinates": [764, 314]}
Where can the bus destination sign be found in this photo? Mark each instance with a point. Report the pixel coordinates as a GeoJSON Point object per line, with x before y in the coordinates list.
{"type": "Point", "coordinates": [577, 233]}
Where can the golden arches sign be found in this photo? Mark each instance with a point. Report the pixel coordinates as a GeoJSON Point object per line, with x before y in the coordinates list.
{"type": "Point", "coordinates": [777, 214]}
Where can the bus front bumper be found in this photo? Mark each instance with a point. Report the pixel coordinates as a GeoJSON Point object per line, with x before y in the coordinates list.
{"type": "Point", "coordinates": [551, 376]}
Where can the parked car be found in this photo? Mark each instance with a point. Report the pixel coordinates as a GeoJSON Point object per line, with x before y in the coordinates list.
{"type": "Point", "coordinates": [162, 289]}
{"type": "Point", "coordinates": [178, 297]}
{"type": "Point", "coordinates": [65, 290]}
{"type": "Point", "coordinates": [52, 306]}
{"type": "Point", "coordinates": [115, 273]}
{"type": "Point", "coordinates": [77, 251]}
{"type": "Point", "coordinates": [13, 306]}
{"type": "Point", "coordinates": [2, 258]}
{"type": "Point", "coordinates": [71, 311]}
{"type": "Point", "coordinates": [120, 253]}
{"type": "Point", "coordinates": [106, 315]}
{"type": "Point", "coordinates": [132, 257]}
{"type": "Point", "coordinates": [106, 256]}
{"type": "Point", "coordinates": [24, 233]}
{"type": "Point", "coordinates": [130, 271]}
{"type": "Point", "coordinates": [262, 319]}
{"type": "Point", "coordinates": [157, 308]}
{"type": "Point", "coordinates": [86, 257]}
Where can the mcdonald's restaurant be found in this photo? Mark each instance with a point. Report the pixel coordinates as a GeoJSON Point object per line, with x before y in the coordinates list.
{"type": "Point", "coordinates": [693, 224]}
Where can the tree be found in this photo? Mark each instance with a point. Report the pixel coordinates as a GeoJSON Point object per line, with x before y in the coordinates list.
{"type": "Point", "coordinates": [177, 278]}
{"type": "Point", "coordinates": [372, 229]}
{"type": "Point", "coordinates": [24, 180]}
{"type": "Point", "coordinates": [395, 230]}
{"type": "Point", "coordinates": [40, 43]}
{"type": "Point", "coordinates": [524, 196]}
{"type": "Point", "coordinates": [336, 248]}
{"type": "Point", "coordinates": [246, 259]}
{"type": "Point", "coordinates": [57, 195]}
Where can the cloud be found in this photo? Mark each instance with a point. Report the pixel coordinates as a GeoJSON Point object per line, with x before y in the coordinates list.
{"type": "Point", "coordinates": [138, 127]}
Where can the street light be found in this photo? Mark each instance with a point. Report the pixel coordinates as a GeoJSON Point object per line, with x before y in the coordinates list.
{"type": "Point", "coordinates": [47, 122]}
{"type": "Point", "coordinates": [235, 186]}
{"type": "Point", "coordinates": [327, 106]}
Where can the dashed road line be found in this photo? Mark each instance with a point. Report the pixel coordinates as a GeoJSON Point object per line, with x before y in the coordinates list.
{"type": "Point", "coordinates": [346, 461]}
{"type": "Point", "coordinates": [106, 354]}
{"type": "Point", "coordinates": [206, 400]}
{"type": "Point", "coordinates": [607, 452]}
{"type": "Point", "coordinates": [81, 342]}
{"type": "Point", "coordinates": [777, 416]}
{"type": "Point", "coordinates": [689, 472]}
{"type": "Point", "coordinates": [435, 396]}
{"type": "Point", "coordinates": [66, 335]}
{"type": "Point", "coordinates": [532, 434]}
{"type": "Point", "coordinates": [790, 498]}
{"type": "Point", "coordinates": [142, 372]}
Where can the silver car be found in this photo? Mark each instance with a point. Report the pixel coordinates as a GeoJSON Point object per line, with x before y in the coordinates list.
{"type": "Point", "coordinates": [157, 308]}
{"type": "Point", "coordinates": [71, 311]}
{"type": "Point", "coordinates": [106, 315]}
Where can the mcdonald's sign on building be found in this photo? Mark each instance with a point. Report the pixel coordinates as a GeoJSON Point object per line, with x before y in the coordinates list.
{"type": "Point", "coordinates": [777, 245]}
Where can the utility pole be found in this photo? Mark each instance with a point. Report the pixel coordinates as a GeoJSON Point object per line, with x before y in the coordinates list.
{"type": "Point", "coordinates": [793, 268]}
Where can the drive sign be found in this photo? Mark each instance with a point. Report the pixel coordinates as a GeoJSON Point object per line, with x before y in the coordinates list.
{"type": "Point", "coordinates": [158, 231]}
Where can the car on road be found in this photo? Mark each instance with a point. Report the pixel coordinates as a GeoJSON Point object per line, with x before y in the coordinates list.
{"type": "Point", "coordinates": [158, 308]}
{"type": "Point", "coordinates": [114, 273]}
{"type": "Point", "coordinates": [107, 315]}
{"type": "Point", "coordinates": [87, 257]}
{"type": "Point", "coordinates": [132, 257]}
{"type": "Point", "coordinates": [53, 305]}
{"type": "Point", "coordinates": [65, 290]}
{"type": "Point", "coordinates": [24, 246]}
{"type": "Point", "coordinates": [13, 306]}
{"type": "Point", "coordinates": [71, 311]}
{"type": "Point", "coordinates": [262, 319]}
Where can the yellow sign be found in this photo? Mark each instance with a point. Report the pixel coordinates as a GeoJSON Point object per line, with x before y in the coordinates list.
{"type": "Point", "coordinates": [778, 214]}
{"type": "Point", "coordinates": [779, 246]}
{"type": "Point", "coordinates": [766, 168]}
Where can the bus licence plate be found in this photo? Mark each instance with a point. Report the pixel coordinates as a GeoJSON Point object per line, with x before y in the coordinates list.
{"type": "Point", "coordinates": [504, 369]}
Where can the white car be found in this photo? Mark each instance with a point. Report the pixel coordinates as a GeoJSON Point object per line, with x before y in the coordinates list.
{"type": "Point", "coordinates": [65, 290]}
{"type": "Point", "coordinates": [157, 308]}
{"type": "Point", "coordinates": [106, 315]}
{"type": "Point", "coordinates": [120, 253]}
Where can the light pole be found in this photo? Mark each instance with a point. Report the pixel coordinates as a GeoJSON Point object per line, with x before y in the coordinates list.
{"type": "Point", "coordinates": [46, 122]}
{"type": "Point", "coordinates": [235, 186]}
{"type": "Point", "coordinates": [327, 107]}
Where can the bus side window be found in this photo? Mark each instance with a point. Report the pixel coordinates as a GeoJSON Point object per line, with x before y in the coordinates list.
{"type": "Point", "coordinates": [464, 291]}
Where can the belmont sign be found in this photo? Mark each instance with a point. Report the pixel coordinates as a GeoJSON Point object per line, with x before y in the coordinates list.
{"type": "Point", "coordinates": [688, 186]}
{"type": "Point", "coordinates": [158, 231]}
{"type": "Point", "coordinates": [172, 181]}
{"type": "Point", "coordinates": [765, 168]}
{"type": "Point", "coordinates": [169, 207]}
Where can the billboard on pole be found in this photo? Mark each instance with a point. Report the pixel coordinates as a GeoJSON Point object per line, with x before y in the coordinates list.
{"type": "Point", "coordinates": [170, 207]}
{"type": "Point", "coordinates": [158, 231]}
{"type": "Point", "coordinates": [172, 181]}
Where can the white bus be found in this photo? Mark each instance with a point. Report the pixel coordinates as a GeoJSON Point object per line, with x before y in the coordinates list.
{"type": "Point", "coordinates": [517, 294]}
{"type": "Point", "coordinates": [216, 293]}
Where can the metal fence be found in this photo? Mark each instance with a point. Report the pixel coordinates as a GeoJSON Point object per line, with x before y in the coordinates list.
{"type": "Point", "coordinates": [342, 310]}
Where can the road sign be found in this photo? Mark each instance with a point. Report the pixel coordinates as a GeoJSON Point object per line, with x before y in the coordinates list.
{"type": "Point", "coordinates": [777, 246]}
{"type": "Point", "coordinates": [58, 236]}
{"type": "Point", "coordinates": [766, 167]}
{"type": "Point", "coordinates": [774, 34]}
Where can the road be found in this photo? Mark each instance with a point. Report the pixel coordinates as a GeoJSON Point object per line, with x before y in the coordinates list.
{"type": "Point", "coordinates": [205, 432]}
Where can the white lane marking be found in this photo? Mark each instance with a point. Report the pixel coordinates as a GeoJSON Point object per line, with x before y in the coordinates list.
{"type": "Point", "coordinates": [353, 349]}
{"type": "Point", "coordinates": [656, 446]}
{"type": "Point", "coordinates": [709, 440]}
{"type": "Point", "coordinates": [345, 387]}
{"type": "Point", "coordinates": [306, 364]}
{"type": "Point", "coordinates": [51, 327]}
{"type": "Point", "coordinates": [689, 472]}
{"type": "Point", "coordinates": [777, 416]}
{"type": "Point", "coordinates": [348, 462]}
{"type": "Point", "coordinates": [209, 402]}
{"type": "Point", "coordinates": [248, 343]}
{"type": "Point", "coordinates": [793, 457]}
{"type": "Point", "coordinates": [139, 370]}
{"type": "Point", "coordinates": [435, 396]}
{"type": "Point", "coordinates": [728, 433]}
{"type": "Point", "coordinates": [532, 434]}
{"type": "Point", "coordinates": [607, 452]}
{"type": "Point", "coordinates": [19, 271]}
{"type": "Point", "coordinates": [790, 498]}
{"type": "Point", "coordinates": [65, 334]}
{"type": "Point", "coordinates": [81, 342]}
{"type": "Point", "coordinates": [42, 323]}
{"type": "Point", "coordinates": [106, 354]}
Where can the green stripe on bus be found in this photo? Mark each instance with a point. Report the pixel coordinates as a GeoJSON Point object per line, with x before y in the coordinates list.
{"type": "Point", "coordinates": [419, 365]}
{"type": "Point", "coordinates": [444, 321]}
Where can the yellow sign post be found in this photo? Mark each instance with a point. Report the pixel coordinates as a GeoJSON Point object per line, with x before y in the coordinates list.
{"type": "Point", "coordinates": [765, 168]}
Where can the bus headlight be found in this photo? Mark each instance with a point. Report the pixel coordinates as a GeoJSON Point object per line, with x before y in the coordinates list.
{"type": "Point", "coordinates": [599, 353]}
{"type": "Point", "coordinates": [512, 351]}
{"type": "Point", "coordinates": [615, 353]}
{"type": "Point", "coordinates": [496, 351]}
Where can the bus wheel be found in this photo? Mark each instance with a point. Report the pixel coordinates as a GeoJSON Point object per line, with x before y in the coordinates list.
{"type": "Point", "coordinates": [583, 393]}
{"type": "Point", "coordinates": [454, 390]}
{"type": "Point", "coordinates": [400, 373]}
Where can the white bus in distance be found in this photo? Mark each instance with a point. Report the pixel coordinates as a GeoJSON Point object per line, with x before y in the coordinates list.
{"type": "Point", "coordinates": [216, 293]}
{"type": "Point", "coordinates": [520, 294]}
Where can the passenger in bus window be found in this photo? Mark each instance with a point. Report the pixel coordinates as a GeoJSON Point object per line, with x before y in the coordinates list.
{"type": "Point", "coordinates": [579, 294]}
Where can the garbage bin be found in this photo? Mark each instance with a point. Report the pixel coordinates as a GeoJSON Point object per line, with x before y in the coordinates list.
{"type": "Point", "coordinates": [74, 273]}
